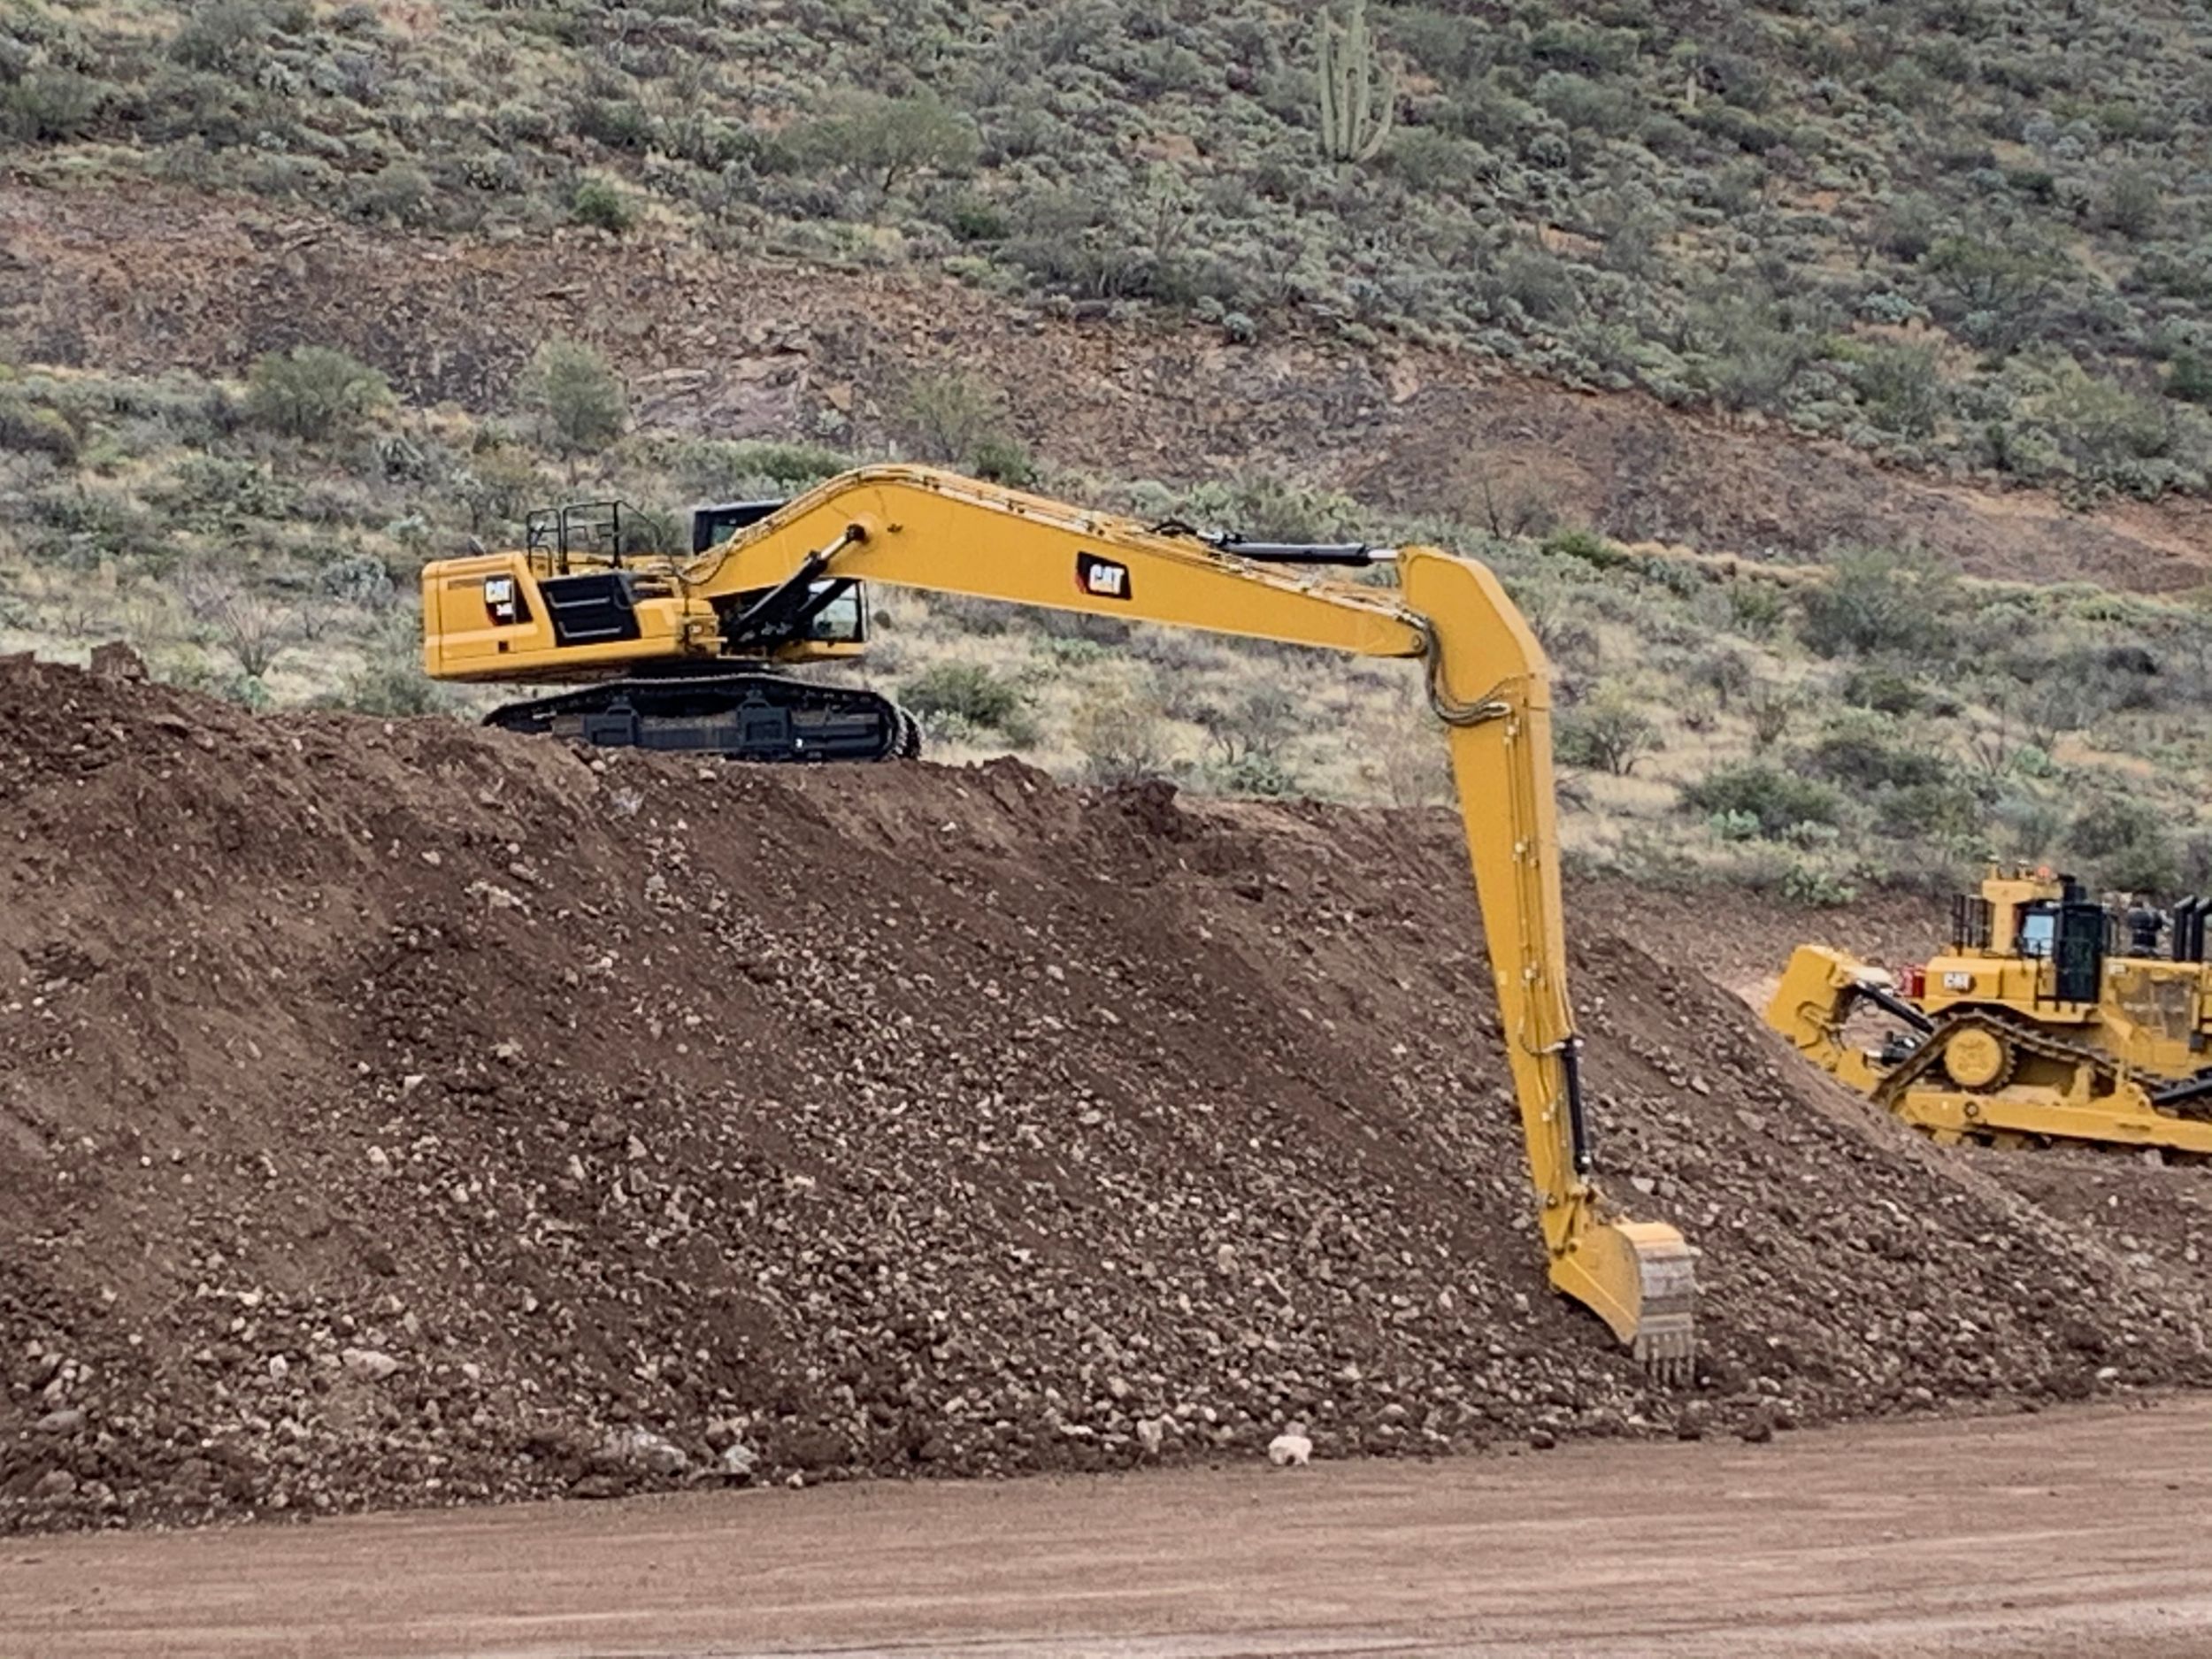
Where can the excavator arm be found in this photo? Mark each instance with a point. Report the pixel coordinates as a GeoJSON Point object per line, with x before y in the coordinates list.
{"type": "Point", "coordinates": [914, 528]}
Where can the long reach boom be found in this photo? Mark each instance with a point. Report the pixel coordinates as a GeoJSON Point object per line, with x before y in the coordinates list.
{"type": "Point", "coordinates": [769, 592]}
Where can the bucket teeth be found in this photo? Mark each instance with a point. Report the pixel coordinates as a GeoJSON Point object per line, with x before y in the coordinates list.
{"type": "Point", "coordinates": [1666, 1324]}
{"type": "Point", "coordinates": [1668, 1350]}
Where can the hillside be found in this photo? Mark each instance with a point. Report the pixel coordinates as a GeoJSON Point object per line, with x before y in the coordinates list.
{"type": "Point", "coordinates": [1957, 231]}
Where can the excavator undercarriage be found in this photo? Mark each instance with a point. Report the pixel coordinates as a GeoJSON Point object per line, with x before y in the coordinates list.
{"type": "Point", "coordinates": [740, 716]}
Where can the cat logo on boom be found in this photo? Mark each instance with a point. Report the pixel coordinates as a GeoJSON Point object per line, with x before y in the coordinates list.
{"type": "Point", "coordinates": [1101, 579]}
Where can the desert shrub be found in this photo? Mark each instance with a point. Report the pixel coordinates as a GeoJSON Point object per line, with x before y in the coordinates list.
{"type": "Point", "coordinates": [1899, 386]}
{"type": "Point", "coordinates": [402, 192]}
{"type": "Point", "coordinates": [579, 401]}
{"type": "Point", "coordinates": [1866, 751]}
{"type": "Point", "coordinates": [1876, 601]}
{"type": "Point", "coordinates": [2128, 843]}
{"type": "Point", "coordinates": [970, 692]}
{"type": "Point", "coordinates": [1758, 609]}
{"type": "Point", "coordinates": [2132, 202]}
{"type": "Point", "coordinates": [1939, 810]}
{"type": "Point", "coordinates": [1607, 730]}
{"type": "Point", "coordinates": [1993, 293]}
{"type": "Point", "coordinates": [1121, 737]}
{"type": "Point", "coordinates": [51, 106]}
{"type": "Point", "coordinates": [889, 139]}
{"type": "Point", "coordinates": [1753, 353]}
{"type": "Point", "coordinates": [224, 36]}
{"type": "Point", "coordinates": [1266, 775]}
{"type": "Point", "coordinates": [30, 428]}
{"type": "Point", "coordinates": [1253, 726]}
{"type": "Point", "coordinates": [313, 393]}
{"type": "Point", "coordinates": [1775, 799]}
{"type": "Point", "coordinates": [1589, 548]}
{"type": "Point", "coordinates": [1536, 282]}
{"type": "Point", "coordinates": [249, 628]}
{"type": "Point", "coordinates": [1725, 671]}
{"type": "Point", "coordinates": [1002, 460]}
{"type": "Point", "coordinates": [602, 203]}
{"type": "Point", "coordinates": [954, 416]}
{"type": "Point", "coordinates": [2189, 378]}
{"type": "Point", "coordinates": [391, 683]}
{"type": "Point", "coordinates": [1884, 690]}
{"type": "Point", "coordinates": [1817, 886]}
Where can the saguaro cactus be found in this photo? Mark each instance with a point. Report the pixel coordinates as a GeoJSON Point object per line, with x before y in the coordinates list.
{"type": "Point", "coordinates": [1358, 96]}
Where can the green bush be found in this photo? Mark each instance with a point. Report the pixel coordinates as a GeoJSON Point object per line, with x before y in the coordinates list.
{"type": "Point", "coordinates": [2128, 843]}
{"type": "Point", "coordinates": [1900, 386]}
{"type": "Point", "coordinates": [1121, 738]}
{"type": "Point", "coordinates": [1606, 731]}
{"type": "Point", "coordinates": [30, 428]}
{"type": "Point", "coordinates": [579, 400]}
{"type": "Point", "coordinates": [52, 106]}
{"type": "Point", "coordinates": [602, 203]}
{"type": "Point", "coordinates": [957, 419]}
{"type": "Point", "coordinates": [1254, 774]}
{"type": "Point", "coordinates": [1866, 751]}
{"type": "Point", "coordinates": [1883, 690]}
{"type": "Point", "coordinates": [1878, 602]}
{"type": "Point", "coordinates": [890, 140]}
{"type": "Point", "coordinates": [972, 693]}
{"type": "Point", "coordinates": [1776, 799]}
{"type": "Point", "coordinates": [313, 393]}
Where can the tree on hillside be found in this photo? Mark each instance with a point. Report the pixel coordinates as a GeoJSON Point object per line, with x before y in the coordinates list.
{"type": "Point", "coordinates": [890, 139]}
{"type": "Point", "coordinates": [574, 395]}
{"type": "Point", "coordinates": [313, 393]}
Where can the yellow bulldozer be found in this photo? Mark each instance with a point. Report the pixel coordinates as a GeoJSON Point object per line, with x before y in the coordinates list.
{"type": "Point", "coordinates": [689, 652]}
{"type": "Point", "coordinates": [2050, 1018]}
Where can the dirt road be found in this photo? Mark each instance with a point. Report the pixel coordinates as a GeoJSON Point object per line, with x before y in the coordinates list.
{"type": "Point", "coordinates": [2040, 1535]}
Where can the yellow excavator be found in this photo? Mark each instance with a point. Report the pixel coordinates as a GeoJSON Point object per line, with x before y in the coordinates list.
{"type": "Point", "coordinates": [682, 652]}
{"type": "Point", "coordinates": [2051, 1017]}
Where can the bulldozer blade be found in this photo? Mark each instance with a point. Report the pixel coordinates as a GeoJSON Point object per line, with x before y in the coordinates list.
{"type": "Point", "coordinates": [1640, 1278]}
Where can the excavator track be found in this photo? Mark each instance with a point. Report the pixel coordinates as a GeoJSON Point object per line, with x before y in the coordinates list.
{"type": "Point", "coordinates": [739, 717]}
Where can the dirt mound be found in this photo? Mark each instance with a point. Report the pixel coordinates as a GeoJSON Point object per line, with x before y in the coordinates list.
{"type": "Point", "coordinates": [401, 1114]}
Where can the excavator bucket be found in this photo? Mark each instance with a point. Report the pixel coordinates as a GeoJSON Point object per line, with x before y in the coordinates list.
{"type": "Point", "coordinates": [1640, 1278]}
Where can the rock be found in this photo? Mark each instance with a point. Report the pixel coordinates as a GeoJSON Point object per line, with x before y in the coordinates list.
{"type": "Point", "coordinates": [1289, 1451]}
{"type": "Point", "coordinates": [68, 1420]}
{"type": "Point", "coordinates": [366, 1364]}
{"type": "Point", "coordinates": [1542, 1439]}
{"type": "Point", "coordinates": [601, 1485]}
{"type": "Point", "coordinates": [116, 660]}
{"type": "Point", "coordinates": [641, 1448]}
{"type": "Point", "coordinates": [738, 1460]}
{"type": "Point", "coordinates": [54, 1483]}
{"type": "Point", "coordinates": [1151, 1434]}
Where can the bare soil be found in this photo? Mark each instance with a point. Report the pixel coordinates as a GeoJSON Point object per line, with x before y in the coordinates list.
{"type": "Point", "coordinates": [148, 278]}
{"type": "Point", "coordinates": [414, 1115]}
{"type": "Point", "coordinates": [2075, 1531]}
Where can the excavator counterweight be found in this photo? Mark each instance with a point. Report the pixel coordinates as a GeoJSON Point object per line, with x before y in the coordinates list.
{"type": "Point", "coordinates": [676, 651]}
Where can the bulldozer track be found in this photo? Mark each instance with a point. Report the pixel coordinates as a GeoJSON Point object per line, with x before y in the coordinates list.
{"type": "Point", "coordinates": [2024, 1038]}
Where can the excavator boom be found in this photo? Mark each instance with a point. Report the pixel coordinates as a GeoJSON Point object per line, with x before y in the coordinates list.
{"type": "Point", "coordinates": [914, 527]}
